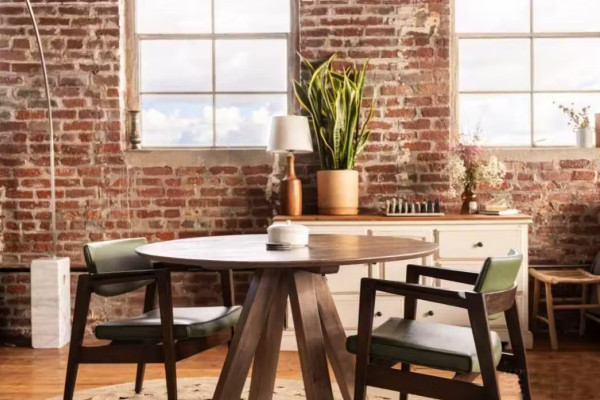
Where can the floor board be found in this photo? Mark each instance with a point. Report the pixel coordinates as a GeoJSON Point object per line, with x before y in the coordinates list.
{"type": "Point", "coordinates": [27, 374]}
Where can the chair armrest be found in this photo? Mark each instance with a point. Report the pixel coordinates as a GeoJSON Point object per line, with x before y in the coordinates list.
{"type": "Point", "coordinates": [415, 291]}
{"type": "Point", "coordinates": [127, 276]}
{"type": "Point", "coordinates": [413, 272]}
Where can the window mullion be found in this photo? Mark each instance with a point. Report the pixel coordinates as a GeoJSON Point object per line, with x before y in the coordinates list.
{"type": "Point", "coordinates": [214, 75]}
{"type": "Point", "coordinates": [532, 73]}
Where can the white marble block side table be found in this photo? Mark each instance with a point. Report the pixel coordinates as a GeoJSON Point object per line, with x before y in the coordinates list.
{"type": "Point", "coordinates": [50, 303]}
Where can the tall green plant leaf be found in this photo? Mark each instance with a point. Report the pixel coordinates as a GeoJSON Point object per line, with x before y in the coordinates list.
{"type": "Point", "coordinates": [333, 100]}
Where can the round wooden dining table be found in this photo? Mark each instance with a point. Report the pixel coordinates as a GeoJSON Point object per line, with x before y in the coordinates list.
{"type": "Point", "coordinates": [300, 275]}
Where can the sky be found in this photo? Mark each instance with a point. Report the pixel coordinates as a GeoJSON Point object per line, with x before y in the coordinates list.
{"type": "Point", "coordinates": [505, 65]}
{"type": "Point", "coordinates": [169, 67]}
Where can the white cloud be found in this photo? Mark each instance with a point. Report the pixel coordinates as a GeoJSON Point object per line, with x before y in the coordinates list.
{"type": "Point", "coordinates": [172, 129]}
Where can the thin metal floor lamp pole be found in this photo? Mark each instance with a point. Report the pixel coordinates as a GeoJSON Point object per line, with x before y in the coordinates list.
{"type": "Point", "coordinates": [50, 130]}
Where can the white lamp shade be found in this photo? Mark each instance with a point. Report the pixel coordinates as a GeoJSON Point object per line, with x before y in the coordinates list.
{"type": "Point", "coordinates": [290, 133]}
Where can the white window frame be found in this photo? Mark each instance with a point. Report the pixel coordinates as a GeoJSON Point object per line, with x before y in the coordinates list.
{"type": "Point", "coordinates": [531, 35]}
{"type": "Point", "coordinates": [133, 93]}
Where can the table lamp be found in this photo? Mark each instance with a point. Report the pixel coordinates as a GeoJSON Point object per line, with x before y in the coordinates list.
{"type": "Point", "coordinates": [290, 134]}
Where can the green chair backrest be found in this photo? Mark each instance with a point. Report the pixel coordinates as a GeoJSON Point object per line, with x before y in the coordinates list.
{"type": "Point", "coordinates": [499, 273]}
{"type": "Point", "coordinates": [116, 256]}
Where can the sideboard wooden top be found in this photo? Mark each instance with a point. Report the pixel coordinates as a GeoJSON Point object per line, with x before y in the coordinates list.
{"type": "Point", "coordinates": [382, 218]}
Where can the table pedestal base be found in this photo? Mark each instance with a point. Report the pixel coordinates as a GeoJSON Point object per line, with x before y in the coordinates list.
{"type": "Point", "coordinates": [319, 334]}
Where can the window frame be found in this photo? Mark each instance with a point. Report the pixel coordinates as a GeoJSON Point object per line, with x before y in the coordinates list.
{"type": "Point", "coordinates": [532, 36]}
{"type": "Point", "coordinates": [133, 93]}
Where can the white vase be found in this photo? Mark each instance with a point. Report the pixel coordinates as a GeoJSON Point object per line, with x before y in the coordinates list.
{"type": "Point", "coordinates": [585, 137]}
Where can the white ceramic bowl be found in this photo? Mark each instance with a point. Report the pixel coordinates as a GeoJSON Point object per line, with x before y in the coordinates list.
{"type": "Point", "coordinates": [286, 232]}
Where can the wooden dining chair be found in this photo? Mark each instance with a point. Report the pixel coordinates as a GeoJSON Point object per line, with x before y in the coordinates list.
{"type": "Point", "coordinates": [469, 352]}
{"type": "Point", "coordinates": [164, 335]}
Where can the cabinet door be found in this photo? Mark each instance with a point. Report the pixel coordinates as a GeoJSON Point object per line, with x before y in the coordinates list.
{"type": "Point", "coordinates": [396, 270]}
{"type": "Point", "coordinates": [347, 280]}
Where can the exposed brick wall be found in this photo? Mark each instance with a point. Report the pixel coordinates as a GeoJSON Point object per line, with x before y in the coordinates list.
{"type": "Point", "coordinates": [563, 196]}
{"type": "Point", "coordinates": [107, 192]}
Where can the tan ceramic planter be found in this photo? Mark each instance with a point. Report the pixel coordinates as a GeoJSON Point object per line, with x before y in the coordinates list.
{"type": "Point", "coordinates": [337, 192]}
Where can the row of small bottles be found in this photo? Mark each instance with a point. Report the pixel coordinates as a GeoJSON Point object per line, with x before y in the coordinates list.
{"type": "Point", "coordinates": [402, 206]}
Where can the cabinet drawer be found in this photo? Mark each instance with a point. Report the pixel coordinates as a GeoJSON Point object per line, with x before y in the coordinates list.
{"type": "Point", "coordinates": [477, 244]}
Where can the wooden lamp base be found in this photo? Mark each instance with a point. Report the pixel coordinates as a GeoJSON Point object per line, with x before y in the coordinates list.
{"type": "Point", "coordinates": [290, 191]}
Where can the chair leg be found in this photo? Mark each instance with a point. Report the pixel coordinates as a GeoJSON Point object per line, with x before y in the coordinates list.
{"type": "Point", "coordinates": [82, 304]}
{"type": "Point", "coordinates": [171, 377]}
{"type": "Point", "coordinates": [72, 367]}
{"type": "Point", "coordinates": [584, 300]}
{"type": "Point", "coordinates": [483, 345]}
{"type": "Point", "coordinates": [405, 368]}
{"type": "Point", "coordinates": [518, 348]}
{"type": "Point", "coordinates": [165, 302]}
{"type": "Point", "coordinates": [363, 348]}
{"type": "Point", "coordinates": [551, 321]}
{"type": "Point", "coordinates": [149, 304]}
{"type": "Point", "coordinates": [536, 304]}
{"type": "Point", "coordinates": [139, 377]}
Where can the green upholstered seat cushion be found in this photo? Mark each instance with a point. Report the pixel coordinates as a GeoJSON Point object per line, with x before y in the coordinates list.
{"type": "Point", "coordinates": [431, 345]}
{"type": "Point", "coordinates": [190, 322]}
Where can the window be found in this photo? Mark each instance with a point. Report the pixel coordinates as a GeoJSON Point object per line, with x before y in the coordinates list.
{"type": "Point", "coordinates": [517, 58]}
{"type": "Point", "coordinates": [210, 73]}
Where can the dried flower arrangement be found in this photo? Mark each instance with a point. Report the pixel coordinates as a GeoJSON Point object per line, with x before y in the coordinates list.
{"type": "Point", "coordinates": [578, 120]}
{"type": "Point", "coordinates": [469, 167]}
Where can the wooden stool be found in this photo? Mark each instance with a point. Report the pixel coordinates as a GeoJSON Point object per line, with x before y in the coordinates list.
{"type": "Point", "coordinates": [553, 277]}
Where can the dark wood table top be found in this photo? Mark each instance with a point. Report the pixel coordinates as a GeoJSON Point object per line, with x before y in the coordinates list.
{"type": "Point", "coordinates": [249, 251]}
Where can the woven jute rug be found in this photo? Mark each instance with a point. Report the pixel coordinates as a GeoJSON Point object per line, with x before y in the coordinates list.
{"type": "Point", "coordinates": [203, 388]}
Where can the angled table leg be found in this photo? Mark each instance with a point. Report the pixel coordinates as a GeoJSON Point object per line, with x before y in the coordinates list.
{"type": "Point", "coordinates": [342, 362]}
{"type": "Point", "coordinates": [311, 347]}
{"type": "Point", "coordinates": [264, 369]}
{"type": "Point", "coordinates": [247, 334]}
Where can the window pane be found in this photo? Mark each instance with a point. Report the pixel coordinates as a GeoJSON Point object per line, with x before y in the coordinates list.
{"type": "Point", "coordinates": [567, 64]}
{"type": "Point", "coordinates": [551, 124]}
{"type": "Point", "coordinates": [245, 120]}
{"type": "Point", "coordinates": [501, 120]}
{"type": "Point", "coordinates": [175, 65]}
{"type": "Point", "coordinates": [180, 120]}
{"type": "Point", "coordinates": [495, 64]}
{"type": "Point", "coordinates": [244, 16]}
{"type": "Point", "coordinates": [173, 16]}
{"type": "Point", "coordinates": [251, 65]}
{"type": "Point", "coordinates": [566, 15]}
{"type": "Point", "coordinates": [492, 15]}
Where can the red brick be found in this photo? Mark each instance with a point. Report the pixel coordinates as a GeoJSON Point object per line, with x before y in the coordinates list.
{"type": "Point", "coordinates": [583, 175]}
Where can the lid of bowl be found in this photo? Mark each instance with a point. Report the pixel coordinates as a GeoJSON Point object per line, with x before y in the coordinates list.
{"type": "Point", "coordinates": [288, 227]}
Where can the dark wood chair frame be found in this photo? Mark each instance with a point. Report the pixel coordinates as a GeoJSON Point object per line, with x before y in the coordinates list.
{"type": "Point", "coordinates": [165, 351]}
{"type": "Point", "coordinates": [379, 373]}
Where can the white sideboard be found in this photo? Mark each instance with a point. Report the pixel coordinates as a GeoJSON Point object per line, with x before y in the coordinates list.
{"type": "Point", "coordinates": [464, 243]}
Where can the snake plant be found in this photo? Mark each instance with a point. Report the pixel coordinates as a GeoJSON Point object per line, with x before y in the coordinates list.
{"type": "Point", "coordinates": [334, 100]}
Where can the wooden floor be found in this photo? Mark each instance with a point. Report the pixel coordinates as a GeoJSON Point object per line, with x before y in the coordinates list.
{"type": "Point", "coordinates": [571, 373]}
